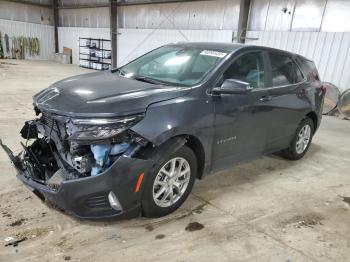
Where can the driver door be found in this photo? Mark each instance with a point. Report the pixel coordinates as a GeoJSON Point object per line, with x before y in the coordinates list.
{"type": "Point", "coordinates": [241, 120]}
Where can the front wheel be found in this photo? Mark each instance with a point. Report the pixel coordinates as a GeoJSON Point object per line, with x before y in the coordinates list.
{"type": "Point", "coordinates": [170, 184]}
{"type": "Point", "coordinates": [301, 141]}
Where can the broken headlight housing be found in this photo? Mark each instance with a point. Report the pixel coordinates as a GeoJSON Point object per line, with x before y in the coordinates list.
{"type": "Point", "coordinates": [87, 129]}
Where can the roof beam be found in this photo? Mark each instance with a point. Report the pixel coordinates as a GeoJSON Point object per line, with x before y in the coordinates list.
{"type": "Point", "coordinates": [29, 3]}
{"type": "Point", "coordinates": [129, 3]}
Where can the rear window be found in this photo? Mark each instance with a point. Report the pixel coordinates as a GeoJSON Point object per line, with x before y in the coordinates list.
{"type": "Point", "coordinates": [310, 68]}
{"type": "Point", "coordinates": [284, 70]}
{"type": "Point", "coordinates": [309, 64]}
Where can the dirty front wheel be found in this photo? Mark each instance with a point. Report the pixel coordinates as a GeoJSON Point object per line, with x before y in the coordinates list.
{"type": "Point", "coordinates": [170, 184]}
{"type": "Point", "coordinates": [301, 141]}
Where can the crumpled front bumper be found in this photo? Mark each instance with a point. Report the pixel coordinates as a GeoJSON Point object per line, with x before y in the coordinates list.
{"type": "Point", "coordinates": [88, 197]}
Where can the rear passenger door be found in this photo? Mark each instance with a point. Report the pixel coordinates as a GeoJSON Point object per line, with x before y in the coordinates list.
{"type": "Point", "coordinates": [287, 100]}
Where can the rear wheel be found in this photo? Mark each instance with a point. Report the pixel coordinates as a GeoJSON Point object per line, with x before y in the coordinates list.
{"type": "Point", "coordinates": [301, 141]}
{"type": "Point", "coordinates": [170, 184]}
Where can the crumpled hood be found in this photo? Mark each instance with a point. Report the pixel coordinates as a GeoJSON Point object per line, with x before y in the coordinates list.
{"type": "Point", "coordinates": [102, 94]}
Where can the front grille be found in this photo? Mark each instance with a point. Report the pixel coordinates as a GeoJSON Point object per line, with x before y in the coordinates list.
{"type": "Point", "coordinates": [56, 123]}
{"type": "Point", "coordinates": [49, 122]}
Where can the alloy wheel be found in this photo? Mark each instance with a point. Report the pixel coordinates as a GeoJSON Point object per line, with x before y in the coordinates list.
{"type": "Point", "coordinates": [171, 182]}
{"type": "Point", "coordinates": [303, 139]}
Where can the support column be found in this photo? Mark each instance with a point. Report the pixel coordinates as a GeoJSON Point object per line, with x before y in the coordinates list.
{"type": "Point", "coordinates": [243, 20]}
{"type": "Point", "coordinates": [55, 21]}
{"type": "Point", "coordinates": [113, 30]}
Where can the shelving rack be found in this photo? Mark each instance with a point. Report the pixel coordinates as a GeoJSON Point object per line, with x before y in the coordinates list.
{"type": "Point", "coordinates": [95, 53]}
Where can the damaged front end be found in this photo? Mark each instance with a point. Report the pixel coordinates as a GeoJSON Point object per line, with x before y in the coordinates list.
{"type": "Point", "coordinates": [87, 166]}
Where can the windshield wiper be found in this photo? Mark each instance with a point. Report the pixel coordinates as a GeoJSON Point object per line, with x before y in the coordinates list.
{"type": "Point", "coordinates": [141, 78]}
{"type": "Point", "coordinates": [119, 70]}
{"type": "Point", "coordinates": [149, 80]}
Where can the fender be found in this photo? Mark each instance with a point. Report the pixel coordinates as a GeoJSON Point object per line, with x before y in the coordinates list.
{"type": "Point", "coordinates": [190, 115]}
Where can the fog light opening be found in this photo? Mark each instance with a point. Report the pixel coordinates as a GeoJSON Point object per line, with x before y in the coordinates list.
{"type": "Point", "coordinates": [114, 202]}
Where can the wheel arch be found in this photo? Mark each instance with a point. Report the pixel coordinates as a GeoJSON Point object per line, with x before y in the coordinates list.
{"type": "Point", "coordinates": [195, 144]}
{"type": "Point", "coordinates": [198, 149]}
{"type": "Point", "coordinates": [158, 151]}
{"type": "Point", "coordinates": [313, 116]}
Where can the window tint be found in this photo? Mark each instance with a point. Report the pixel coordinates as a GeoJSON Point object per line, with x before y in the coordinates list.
{"type": "Point", "coordinates": [284, 70]}
{"type": "Point", "coordinates": [248, 68]}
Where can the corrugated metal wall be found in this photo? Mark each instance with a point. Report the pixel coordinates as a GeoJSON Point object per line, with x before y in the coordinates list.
{"type": "Point", "coordinates": [69, 37]}
{"type": "Point", "coordinates": [135, 42]}
{"type": "Point", "coordinates": [18, 19]}
{"type": "Point", "coordinates": [85, 17]}
{"type": "Point", "coordinates": [81, 2]}
{"type": "Point", "coordinates": [211, 15]}
{"type": "Point", "coordinates": [265, 15]}
{"type": "Point", "coordinates": [26, 13]}
{"type": "Point", "coordinates": [43, 2]}
{"type": "Point", "coordinates": [45, 33]}
{"type": "Point", "coordinates": [299, 15]}
{"type": "Point", "coordinates": [329, 50]}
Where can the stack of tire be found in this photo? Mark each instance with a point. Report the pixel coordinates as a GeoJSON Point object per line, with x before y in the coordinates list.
{"type": "Point", "coordinates": [336, 102]}
{"type": "Point", "coordinates": [344, 104]}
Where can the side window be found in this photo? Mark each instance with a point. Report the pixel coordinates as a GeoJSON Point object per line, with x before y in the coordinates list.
{"type": "Point", "coordinates": [299, 74]}
{"type": "Point", "coordinates": [248, 68]}
{"type": "Point", "coordinates": [284, 70]}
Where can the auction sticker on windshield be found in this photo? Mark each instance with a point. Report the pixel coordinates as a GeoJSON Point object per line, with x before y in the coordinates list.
{"type": "Point", "coordinates": [213, 53]}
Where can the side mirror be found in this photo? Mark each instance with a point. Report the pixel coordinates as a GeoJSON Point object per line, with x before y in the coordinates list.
{"type": "Point", "coordinates": [232, 86]}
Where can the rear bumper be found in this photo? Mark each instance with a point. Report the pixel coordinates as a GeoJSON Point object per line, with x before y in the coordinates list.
{"type": "Point", "coordinates": [88, 197]}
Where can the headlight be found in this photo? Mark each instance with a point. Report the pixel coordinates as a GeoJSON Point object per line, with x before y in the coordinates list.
{"type": "Point", "coordinates": [99, 128]}
{"type": "Point", "coordinates": [106, 121]}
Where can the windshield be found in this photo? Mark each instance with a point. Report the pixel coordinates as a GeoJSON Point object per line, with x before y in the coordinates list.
{"type": "Point", "coordinates": [173, 65]}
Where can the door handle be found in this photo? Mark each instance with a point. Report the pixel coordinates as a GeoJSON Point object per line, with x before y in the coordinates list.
{"type": "Point", "coordinates": [302, 91]}
{"type": "Point", "coordinates": [265, 98]}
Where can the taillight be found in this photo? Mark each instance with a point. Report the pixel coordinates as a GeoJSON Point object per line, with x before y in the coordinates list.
{"type": "Point", "coordinates": [315, 76]}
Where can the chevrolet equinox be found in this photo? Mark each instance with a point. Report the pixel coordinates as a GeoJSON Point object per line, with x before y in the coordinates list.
{"type": "Point", "coordinates": [132, 141]}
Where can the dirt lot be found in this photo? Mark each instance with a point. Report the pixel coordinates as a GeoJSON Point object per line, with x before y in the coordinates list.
{"type": "Point", "coordinates": [267, 210]}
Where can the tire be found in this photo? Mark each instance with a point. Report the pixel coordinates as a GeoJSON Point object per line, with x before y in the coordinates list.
{"type": "Point", "coordinates": [152, 204]}
{"type": "Point", "coordinates": [295, 152]}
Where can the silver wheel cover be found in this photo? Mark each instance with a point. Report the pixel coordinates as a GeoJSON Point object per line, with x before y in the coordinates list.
{"type": "Point", "coordinates": [303, 139]}
{"type": "Point", "coordinates": [171, 182]}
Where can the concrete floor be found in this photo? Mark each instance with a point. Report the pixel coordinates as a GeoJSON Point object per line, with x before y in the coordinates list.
{"type": "Point", "coordinates": [266, 210]}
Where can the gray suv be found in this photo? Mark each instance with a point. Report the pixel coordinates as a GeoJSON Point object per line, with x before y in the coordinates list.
{"type": "Point", "coordinates": [133, 140]}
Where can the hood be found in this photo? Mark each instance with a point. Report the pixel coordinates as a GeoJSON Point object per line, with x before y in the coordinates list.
{"type": "Point", "coordinates": [103, 94]}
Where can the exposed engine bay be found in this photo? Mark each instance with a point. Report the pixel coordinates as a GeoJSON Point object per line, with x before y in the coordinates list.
{"type": "Point", "coordinates": [61, 148]}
